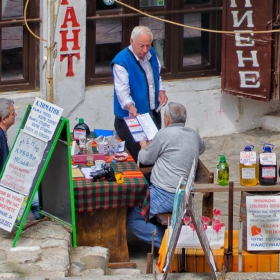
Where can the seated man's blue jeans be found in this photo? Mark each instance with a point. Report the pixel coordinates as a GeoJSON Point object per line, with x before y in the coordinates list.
{"type": "Point", "coordinates": [160, 202]}
{"type": "Point", "coordinates": [35, 206]}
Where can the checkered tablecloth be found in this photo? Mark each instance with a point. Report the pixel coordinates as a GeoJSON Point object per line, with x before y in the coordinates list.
{"type": "Point", "coordinates": [103, 194]}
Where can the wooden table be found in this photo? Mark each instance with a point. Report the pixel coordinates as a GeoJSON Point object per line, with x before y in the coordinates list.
{"type": "Point", "coordinates": [101, 209]}
{"type": "Point", "coordinates": [207, 206]}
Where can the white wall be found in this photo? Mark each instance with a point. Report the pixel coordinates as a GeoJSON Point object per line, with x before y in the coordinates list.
{"type": "Point", "coordinates": [210, 112]}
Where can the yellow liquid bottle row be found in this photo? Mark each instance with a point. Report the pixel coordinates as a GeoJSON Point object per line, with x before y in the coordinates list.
{"type": "Point", "coordinates": [248, 168]}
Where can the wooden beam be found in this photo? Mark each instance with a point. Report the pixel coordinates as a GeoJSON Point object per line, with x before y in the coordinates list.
{"type": "Point", "coordinates": [237, 188]}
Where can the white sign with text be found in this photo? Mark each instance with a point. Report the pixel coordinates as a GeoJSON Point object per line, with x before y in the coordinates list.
{"type": "Point", "coordinates": [263, 223]}
{"type": "Point", "coordinates": [43, 119]}
{"type": "Point", "coordinates": [23, 163]}
{"type": "Point", "coordinates": [10, 203]}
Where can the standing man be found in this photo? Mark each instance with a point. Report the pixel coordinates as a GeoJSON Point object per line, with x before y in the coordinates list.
{"type": "Point", "coordinates": [172, 152]}
{"type": "Point", "coordinates": [138, 87]}
{"type": "Point", "coordinates": [7, 119]}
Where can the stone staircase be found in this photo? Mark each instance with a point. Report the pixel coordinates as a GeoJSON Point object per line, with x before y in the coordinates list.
{"type": "Point", "coordinates": [45, 250]}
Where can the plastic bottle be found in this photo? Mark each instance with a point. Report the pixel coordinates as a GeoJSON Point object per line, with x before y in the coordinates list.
{"type": "Point", "coordinates": [80, 130]}
{"type": "Point", "coordinates": [89, 153]}
{"type": "Point", "coordinates": [115, 142]}
{"type": "Point", "coordinates": [267, 166]}
{"type": "Point", "coordinates": [248, 170]}
{"type": "Point", "coordinates": [222, 171]}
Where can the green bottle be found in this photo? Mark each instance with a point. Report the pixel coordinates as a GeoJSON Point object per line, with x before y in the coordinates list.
{"type": "Point", "coordinates": [222, 171]}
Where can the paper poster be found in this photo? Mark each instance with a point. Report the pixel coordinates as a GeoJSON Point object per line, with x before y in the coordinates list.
{"type": "Point", "coordinates": [263, 223]}
{"type": "Point", "coordinates": [10, 203]}
{"type": "Point", "coordinates": [43, 119]}
{"type": "Point", "coordinates": [23, 163]}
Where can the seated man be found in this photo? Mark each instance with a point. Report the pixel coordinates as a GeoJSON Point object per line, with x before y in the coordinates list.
{"type": "Point", "coordinates": [172, 152]}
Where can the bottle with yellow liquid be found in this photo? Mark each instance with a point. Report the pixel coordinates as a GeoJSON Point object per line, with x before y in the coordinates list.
{"type": "Point", "coordinates": [248, 168]}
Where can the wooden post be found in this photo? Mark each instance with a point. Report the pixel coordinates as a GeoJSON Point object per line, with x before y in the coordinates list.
{"type": "Point", "coordinates": [229, 252]}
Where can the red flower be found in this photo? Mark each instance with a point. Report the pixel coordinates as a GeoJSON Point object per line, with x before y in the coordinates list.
{"type": "Point", "coordinates": [205, 220]}
{"type": "Point", "coordinates": [192, 227]}
{"type": "Point", "coordinates": [216, 212]}
{"type": "Point", "coordinates": [187, 220]}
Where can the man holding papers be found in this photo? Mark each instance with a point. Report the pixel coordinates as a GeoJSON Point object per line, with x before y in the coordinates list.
{"type": "Point", "coordinates": [138, 87]}
{"type": "Point", "coordinates": [172, 152]}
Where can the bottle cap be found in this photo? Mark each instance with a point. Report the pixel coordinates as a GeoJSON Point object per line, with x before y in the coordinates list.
{"type": "Point", "coordinates": [267, 148]}
{"type": "Point", "coordinates": [249, 148]}
{"type": "Point", "coordinates": [81, 121]}
{"type": "Point", "coordinates": [222, 158]}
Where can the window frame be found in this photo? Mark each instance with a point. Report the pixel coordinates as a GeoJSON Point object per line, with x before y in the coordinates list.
{"type": "Point", "coordinates": [30, 62]}
{"type": "Point", "coordinates": [172, 11]}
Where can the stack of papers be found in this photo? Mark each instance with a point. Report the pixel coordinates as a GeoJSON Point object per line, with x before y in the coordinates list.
{"type": "Point", "coordinates": [87, 171]}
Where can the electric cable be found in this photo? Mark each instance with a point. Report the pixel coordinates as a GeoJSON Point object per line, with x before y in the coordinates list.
{"type": "Point", "coordinates": [197, 28]}
{"type": "Point", "coordinates": [26, 24]}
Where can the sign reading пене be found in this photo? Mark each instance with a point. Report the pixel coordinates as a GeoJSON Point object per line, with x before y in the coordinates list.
{"type": "Point", "coordinates": [43, 119]}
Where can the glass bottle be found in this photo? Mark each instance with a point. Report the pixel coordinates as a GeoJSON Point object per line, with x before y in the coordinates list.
{"type": "Point", "coordinates": [80, 130]}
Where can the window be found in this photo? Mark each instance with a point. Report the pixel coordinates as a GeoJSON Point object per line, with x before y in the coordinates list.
{"type": "Point", "coordinates": [18, 47]}
{"type": "Point", "coordinates": [183, 52]}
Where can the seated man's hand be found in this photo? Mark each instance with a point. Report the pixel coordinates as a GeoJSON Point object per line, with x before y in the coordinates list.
{"type": "Point", "coordinates": [144, 143]}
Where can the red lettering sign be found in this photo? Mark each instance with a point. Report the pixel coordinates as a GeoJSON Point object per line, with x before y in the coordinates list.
{"type": "Point", "coordinates": [65, 40]}
{"type": "Point", "coordinates": [70, 62]}
{"type": "Point", "coordinates": [64, 2]}
{"type": "Point", "coordinates": [70, 16]}
{"type": "Point", "coordinates": [71, 19]}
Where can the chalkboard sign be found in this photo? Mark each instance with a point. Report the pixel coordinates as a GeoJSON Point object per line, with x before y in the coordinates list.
{"type": "Point", "coordinates": [187, 205]}
{"type": "Point", "coordinates": [40, 160]}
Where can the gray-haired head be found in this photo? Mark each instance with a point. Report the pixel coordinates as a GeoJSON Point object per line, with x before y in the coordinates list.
{"type": "Point", "coordinates": [140, 30]}
{"type": "Point", "coordinates": [4, 107]}
{"type": "Point", "coordinates": [176, 112]}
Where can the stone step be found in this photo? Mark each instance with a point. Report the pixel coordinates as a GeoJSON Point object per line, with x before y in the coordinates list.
{"type": "Point", "coordinates": [271, 122]}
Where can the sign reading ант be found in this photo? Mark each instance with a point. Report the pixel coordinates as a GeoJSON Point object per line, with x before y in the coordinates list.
{"type": "Point", "coordinates": [246, 61]}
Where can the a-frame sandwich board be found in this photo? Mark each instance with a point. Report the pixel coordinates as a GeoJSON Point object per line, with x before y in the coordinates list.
{"type": "Point", "coordinates": [52, 178]}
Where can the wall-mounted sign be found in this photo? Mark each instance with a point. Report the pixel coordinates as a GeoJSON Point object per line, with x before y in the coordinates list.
{"type": "Point", "coordinates": [246, 58]}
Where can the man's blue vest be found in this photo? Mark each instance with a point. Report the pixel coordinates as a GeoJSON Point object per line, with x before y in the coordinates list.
{"type": "Point", "coordinates": [139, 88]}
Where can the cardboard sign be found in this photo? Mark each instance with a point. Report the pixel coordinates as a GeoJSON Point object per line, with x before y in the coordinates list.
{"type": "Point", "coordinates": [10, 203]}
{"type": "Point", "coordinates": [43, 119]}
{"type": "Point", "coordinates": [23, 163]}
{"type": "Point", "coordinates": [263, 223]}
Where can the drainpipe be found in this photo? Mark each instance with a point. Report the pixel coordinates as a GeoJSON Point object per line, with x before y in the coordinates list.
{"type": "Point", "coordinates": [50, 49]}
